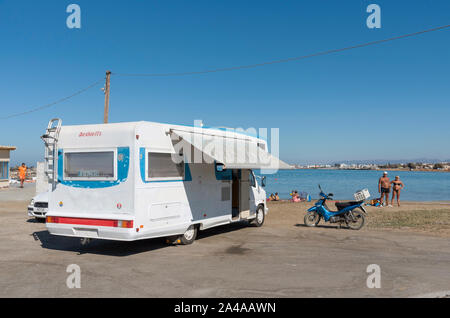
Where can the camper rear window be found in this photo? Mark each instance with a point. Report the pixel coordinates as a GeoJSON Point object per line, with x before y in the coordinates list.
{"type": "Point", "coordinates": [162, 166]}
{"type": "Point", "coordinates": [89, 165]}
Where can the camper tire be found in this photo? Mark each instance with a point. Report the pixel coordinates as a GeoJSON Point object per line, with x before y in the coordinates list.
{"type": "Point", "coordinates": [189, 236]}
{"type": "Point", "coordinates": [260, 216]}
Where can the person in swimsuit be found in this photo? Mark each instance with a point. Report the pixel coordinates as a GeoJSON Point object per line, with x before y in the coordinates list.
{"type": "Point", "coordinates": [384, 187]}
{"type": "Point", "coordinates": [397, 186]}
{"type": "Point", "coordinates": [292, 194]}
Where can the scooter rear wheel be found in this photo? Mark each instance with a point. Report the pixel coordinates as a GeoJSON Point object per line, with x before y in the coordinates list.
{"type": "Point", "coordinates": [312, 218]}
{"type": "Point", "coordinates": [357, 221]}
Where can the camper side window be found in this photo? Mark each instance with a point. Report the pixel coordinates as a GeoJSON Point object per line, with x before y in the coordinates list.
{"type": "Point", "coordinates": [161, 166]}
{"type": "Point", "coordinates": [89, 165]}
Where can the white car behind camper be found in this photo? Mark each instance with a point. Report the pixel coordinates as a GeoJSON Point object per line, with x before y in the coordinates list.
{"type": "Point", "coordinates": [38, 206]}
{"type": "Point", "coordinates": [139, 180]}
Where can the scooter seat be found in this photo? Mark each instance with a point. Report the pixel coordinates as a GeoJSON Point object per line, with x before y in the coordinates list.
{"type": "Point", "coordinates": [342, 205]}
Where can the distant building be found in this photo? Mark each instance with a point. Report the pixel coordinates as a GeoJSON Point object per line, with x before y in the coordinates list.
{"type": "Point", "coordinates": [4, 165]}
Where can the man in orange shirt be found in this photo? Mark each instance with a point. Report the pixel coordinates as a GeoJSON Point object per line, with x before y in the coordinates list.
{"type": "Point", "coordinates": [22, 174]}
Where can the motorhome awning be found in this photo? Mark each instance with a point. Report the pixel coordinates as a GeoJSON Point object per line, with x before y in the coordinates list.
{"type": "Point", "coordinates": [232, 151]}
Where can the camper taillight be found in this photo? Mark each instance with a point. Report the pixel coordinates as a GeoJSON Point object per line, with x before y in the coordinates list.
{"type": "Point", "coordinates": [124, 224]}
{"type": "Point", "coordinates": [51, 219]}
{"type": "Point", "coordinates": [96, 222]}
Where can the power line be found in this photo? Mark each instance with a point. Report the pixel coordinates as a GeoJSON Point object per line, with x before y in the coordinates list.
{"type": "Point", "coordinates": [55, 102]}
{"type": "Point", "coordinates": [230, 68]}
{"type": "Point", "coordinates": [233, 68]}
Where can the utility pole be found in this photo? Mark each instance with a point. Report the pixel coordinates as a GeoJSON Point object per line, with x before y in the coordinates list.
{"type": "Point", "coordinates": [106, 91]}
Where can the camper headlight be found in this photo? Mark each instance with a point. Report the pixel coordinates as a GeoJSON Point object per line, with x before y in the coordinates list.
{"type": "Point", "coordinates": [32, 202]}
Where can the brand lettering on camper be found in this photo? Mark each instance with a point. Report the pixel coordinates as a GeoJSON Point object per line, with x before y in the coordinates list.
{"type": "Point", "coordinates": [90, 134]}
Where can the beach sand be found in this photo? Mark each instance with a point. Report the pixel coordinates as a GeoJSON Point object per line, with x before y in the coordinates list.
{"type": "Point", "coordinates": [431, 218]}
{"type": "Point", "coordinates": [283, 258]}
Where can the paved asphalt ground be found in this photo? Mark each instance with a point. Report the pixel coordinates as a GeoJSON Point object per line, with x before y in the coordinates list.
{"type": "Point", "coordinates": [280, 259]}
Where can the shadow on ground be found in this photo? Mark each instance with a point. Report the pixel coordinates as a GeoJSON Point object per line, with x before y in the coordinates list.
{"type": "Point", "coordinates": [34, 220]}
{"type": "Point", "coordinates": [120, 248]}
{"type": "Point", "coordinates": [223, 229]}
{"type": "Point", "coordinates": [323, 226]}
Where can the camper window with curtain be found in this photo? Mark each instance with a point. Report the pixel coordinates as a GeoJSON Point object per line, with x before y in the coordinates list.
{"type": "Point", "coordinates": [161, 166]}
{"type": "Point", "coordinates": [89, 165]}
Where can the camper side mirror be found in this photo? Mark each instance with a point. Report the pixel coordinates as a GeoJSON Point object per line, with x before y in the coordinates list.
{"type": "Point", "coordinates": [263, 182]}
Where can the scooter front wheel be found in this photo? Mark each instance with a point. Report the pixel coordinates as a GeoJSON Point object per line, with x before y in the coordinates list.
{"type": "Point", "coordinates": [312, 218]}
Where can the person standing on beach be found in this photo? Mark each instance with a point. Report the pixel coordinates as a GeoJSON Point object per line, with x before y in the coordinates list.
{"type": "Point", "coordinates": [397, 185]}
{"type": "Point", "coordinates": [22, 173]}
{"type": "Point", "coordinates": [384, 187]}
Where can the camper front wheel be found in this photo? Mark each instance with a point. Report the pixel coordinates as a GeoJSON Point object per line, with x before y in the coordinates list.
{"type": "Point", "coordinates": [259, 220]}
{"type": "Point", "coordinates": [189, 236]}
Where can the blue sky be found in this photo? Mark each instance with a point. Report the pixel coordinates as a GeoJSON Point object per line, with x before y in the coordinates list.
{"type": "Point", "coordinates": [389, 101]}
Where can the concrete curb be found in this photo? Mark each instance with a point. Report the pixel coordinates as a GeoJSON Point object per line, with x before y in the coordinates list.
{"type": "Point", "coordinates": [439, 294]}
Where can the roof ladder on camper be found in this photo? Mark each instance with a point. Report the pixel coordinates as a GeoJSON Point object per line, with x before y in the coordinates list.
{"type": "Point", "coordinates": [50, 139]}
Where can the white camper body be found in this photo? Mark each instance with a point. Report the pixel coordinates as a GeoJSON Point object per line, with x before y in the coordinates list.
{"type": "Point", "coordinates": [120, 182]}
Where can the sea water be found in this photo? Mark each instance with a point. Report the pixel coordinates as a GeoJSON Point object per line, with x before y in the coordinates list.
{"type": "Point", "coordinates": [419, 185]}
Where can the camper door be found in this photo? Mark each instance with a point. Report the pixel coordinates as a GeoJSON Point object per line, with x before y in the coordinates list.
{"type": "Point", "coordinates": [253, 192]}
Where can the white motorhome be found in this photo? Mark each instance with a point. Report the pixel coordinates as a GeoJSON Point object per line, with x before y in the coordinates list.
{"type": "Point", "coordinates": [139, 180]}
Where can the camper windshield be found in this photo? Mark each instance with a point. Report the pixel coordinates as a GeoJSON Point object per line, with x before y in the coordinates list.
{"type": "Point", "coordinates": [89, 165]}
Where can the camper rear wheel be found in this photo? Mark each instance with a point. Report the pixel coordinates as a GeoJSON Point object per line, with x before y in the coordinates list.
{"type": "Point", "coordinates": [260, 216]}
{"type": "Point", "coordinates": [189, 236]}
